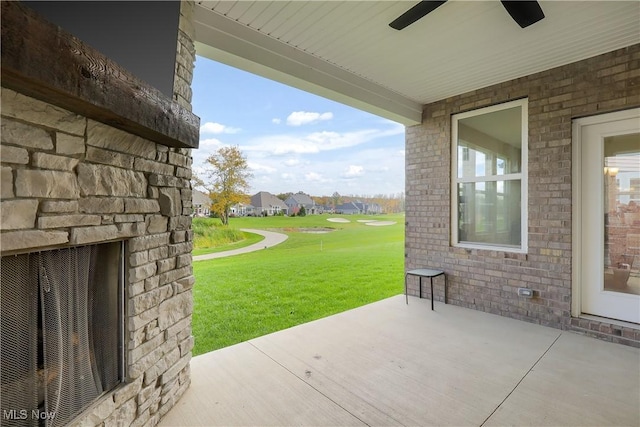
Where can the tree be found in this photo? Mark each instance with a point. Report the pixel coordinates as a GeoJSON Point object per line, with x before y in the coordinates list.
{"type": "Point", "coordinates": [283, 196]}
{"type": "Point", "coordinates": [228, 175]}
{"type": "Point", "coordinates": [335, 197]}
{"type": "Point", "coordinates": [321, 200]}
{"type": "Point", "coordinates": [197, 183]}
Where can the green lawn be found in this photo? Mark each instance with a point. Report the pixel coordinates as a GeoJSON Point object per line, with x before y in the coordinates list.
{"type": "Point", "coordinates": [307, 277]}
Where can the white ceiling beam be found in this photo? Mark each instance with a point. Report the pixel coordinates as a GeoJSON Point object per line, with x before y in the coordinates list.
{"type": "Point", "coordinates": [232, 43]}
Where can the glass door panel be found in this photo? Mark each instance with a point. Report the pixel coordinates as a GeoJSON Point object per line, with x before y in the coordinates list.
{"type": "Point", "coordinates": [622, 213]}
{"type": "Point", "coordinates": [608, 256]}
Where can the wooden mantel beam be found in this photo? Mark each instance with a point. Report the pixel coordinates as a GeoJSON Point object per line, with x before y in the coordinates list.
{"type": "Point", "coordinates": [43, 61]}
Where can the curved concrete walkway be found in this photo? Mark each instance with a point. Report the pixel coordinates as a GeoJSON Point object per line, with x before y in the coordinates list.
{"type": "Point", "coordinates": [270, 239]}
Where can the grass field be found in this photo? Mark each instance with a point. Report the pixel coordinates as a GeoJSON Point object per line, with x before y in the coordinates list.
{"type": "Point", "coordinates": [307, 277]}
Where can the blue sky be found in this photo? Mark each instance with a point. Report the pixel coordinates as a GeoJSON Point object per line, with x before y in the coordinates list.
{"type": "Point", "coordinates": [293, 140]}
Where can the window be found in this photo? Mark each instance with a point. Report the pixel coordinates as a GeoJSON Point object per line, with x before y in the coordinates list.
{"type": "Point", "coordinates": [489, 196]}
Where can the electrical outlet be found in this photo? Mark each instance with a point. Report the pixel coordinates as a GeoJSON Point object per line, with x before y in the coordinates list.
{"type": "Point", "coordinates": [525, 292]}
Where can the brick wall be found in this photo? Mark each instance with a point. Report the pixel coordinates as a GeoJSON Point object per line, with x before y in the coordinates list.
{"type": "Point", "coordinates": [68, 180]}
{"type": "Point", "coordinates": [488, 280]}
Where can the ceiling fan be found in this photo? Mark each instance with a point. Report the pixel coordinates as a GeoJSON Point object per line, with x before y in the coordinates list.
{"type": "Point", "coordinates": [524, 13]}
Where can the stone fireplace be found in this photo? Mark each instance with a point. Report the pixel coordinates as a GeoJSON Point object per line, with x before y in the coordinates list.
{"type": "Point", "coordinates": [62, 331]}
{"type": "Point", "coordinates": [95, 205]}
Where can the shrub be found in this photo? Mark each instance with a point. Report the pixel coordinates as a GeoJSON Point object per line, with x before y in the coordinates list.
{"type": "Point", "coordinates": [210, 233]}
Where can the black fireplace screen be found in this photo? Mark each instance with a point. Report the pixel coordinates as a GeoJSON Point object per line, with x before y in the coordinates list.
{"type": "Point", "coordinates": [60, 332]}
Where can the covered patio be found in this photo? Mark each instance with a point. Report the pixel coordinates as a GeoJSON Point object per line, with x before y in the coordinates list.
{"type": "Point", "coordinates": [388, 363]}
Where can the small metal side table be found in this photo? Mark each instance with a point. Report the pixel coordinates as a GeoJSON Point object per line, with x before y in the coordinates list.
{"type": "Point", "coordinates": [425, 272]}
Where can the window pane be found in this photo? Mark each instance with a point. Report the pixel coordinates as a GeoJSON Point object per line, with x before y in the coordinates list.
{"type": "Point", "coordinates": [622, 213]}
{"type": "Point", "coordinates": [489, 212]}
{"type": "Point", "coordinates": [490, 144]}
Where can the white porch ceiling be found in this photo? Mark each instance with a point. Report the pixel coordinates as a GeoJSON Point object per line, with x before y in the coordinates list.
{"type": "Point", "coordinates": [345, 50]}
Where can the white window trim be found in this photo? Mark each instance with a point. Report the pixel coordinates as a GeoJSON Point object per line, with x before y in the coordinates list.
{"type": "Point", "coordinates": [524, 223]}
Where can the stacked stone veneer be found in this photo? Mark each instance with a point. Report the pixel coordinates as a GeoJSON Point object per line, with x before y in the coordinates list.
{"type": "Point", "coordinates": [488, 280]}
{"type": "Point", "coordinates": [185, 57]}
{"type": "Point", "coordinates": [68, 180]}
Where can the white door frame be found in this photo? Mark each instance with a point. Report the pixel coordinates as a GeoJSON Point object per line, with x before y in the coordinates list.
{"type": "Point", "coordinates": [577, 134]}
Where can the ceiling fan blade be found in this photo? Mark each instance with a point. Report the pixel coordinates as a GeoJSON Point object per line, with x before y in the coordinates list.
{"type": "Point", "coordinates": [415, 13]}
{"type": "Point", "coordinates": [524, 13]}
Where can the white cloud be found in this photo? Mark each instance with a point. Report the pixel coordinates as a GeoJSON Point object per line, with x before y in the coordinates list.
{"type": "Point", "coordinates": [299, 118]}
{"type": "Point", "coordinates": [276, 121]}
{"type": "Point", "coordinates": [353, 171]}
{"type": "Point", "coordinates": [279, 164]}
{"type": "Point", "coordinates": [217, 128]}
{"type": "Point", "coordinates": [207, 147]}
{"type": "Point", "coordinates": [314, 177]}
{"type": "Point", "coordinates": [291, 162]}
{"type": "Point", "coordinates": [258, 167]}
{"type": "Point", "coordinates": [210, 142]}
{"type": "Point", "coordinates": [199, 171]}
{"type": "Point", "coordinates": [312, 143]}
{"type": "Point", "coordinates": [325, 173]}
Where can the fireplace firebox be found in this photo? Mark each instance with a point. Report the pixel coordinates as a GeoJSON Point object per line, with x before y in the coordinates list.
{"type": "Point", "coordinates": [61, 337]}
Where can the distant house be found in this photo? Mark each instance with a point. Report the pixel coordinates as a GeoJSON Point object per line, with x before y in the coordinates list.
{"type": "Point", "coordinates": [265, 203]}
{"type": "Point", "coordinates": [349, 208]}
{"type": "Point", "coordinates": [201, 203]}
{"type": "Point", "coordinates": [374, 208]}
{"type": "Point", "coordinates": [324, 209]}
{"type": "Point", "coordinates": [296, 201]}
{"type": "Point", "coordinates": [358, 207]}
{"type": "Point", "coordinates": [242, 210]}
{"type": "Point", "coordinates": [321, 209]}
{"type": "Point", "coordinates": [368, 208]}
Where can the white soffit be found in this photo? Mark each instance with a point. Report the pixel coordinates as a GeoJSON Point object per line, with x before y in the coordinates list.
{"type": "Point", "coordinates": [345, 50]}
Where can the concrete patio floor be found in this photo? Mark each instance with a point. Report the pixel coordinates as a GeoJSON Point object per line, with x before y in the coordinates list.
{"type": "Point", "coordinates": [392, 364]}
